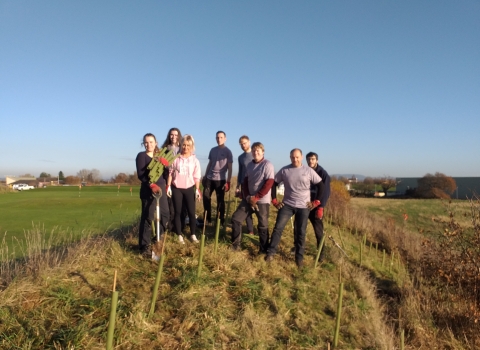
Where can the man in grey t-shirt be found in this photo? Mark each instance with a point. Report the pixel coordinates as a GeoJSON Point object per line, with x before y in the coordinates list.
{"type": "Point", "coordinates": [256, 195]}
{"type": "Point", "coordinates": [297, 180]}
{"type": "Point", "coordinates": [243, 160]}
{"type": "Point", "coordinates": [217, 177]}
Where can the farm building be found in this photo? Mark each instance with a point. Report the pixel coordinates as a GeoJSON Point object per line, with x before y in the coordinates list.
{"type": "Point", "coordinates": [466, 186]}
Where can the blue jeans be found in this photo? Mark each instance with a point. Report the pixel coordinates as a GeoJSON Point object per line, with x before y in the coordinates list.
{"type": "Point", "coordinates": [300, 224]}
{"type": "Point", "coordinates": [243, 211]}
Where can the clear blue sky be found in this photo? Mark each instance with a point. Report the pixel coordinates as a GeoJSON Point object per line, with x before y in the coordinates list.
{"type": "Point", "coordinates": [374, 87]}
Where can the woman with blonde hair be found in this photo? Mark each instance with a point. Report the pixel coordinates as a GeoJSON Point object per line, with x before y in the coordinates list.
{"type": "Point", "coordinates": [183, 185]}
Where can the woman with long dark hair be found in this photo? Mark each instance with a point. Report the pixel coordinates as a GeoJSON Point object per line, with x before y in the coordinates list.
{"type": "Point", "coordinates": [147, 191]}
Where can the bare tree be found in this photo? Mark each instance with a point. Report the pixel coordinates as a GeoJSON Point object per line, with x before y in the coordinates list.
{"type": "Point", "coordinates": [83, 174]}
{"type": "Point", "coordinates": [386, 183]}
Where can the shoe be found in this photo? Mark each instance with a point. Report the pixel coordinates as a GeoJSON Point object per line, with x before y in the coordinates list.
{"type": "Point", "coordinates": [261, 251]}
{"type": "Point", "coordinates": [299, 263]}
{"type": "Point", "coordinates": [155, 257]}
{"type": "Point", "coordinates": [194, 238]}
{"type": "Point", "coordinates": [292, 251]}
{"type": "Point", "coordinates": [268, 258]}
{"type": "Point", "coordinates": [180, 239]}
{"type": "Point", "coordinates": [235, 248]}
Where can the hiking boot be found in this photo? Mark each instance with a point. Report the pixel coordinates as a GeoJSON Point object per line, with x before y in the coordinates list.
{"type": "Point", "coordinates": [155, 257]}
{"type": "Point", "coordinates": [194, 238]}
{"type": "Point", "coordinates": [269, 258]}
{"type": "Point", "coordinates": [235, 248]}
{"type": "Point", "coordinates": [180, 239]}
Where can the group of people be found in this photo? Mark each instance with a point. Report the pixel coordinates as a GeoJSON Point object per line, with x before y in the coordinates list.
{"type": "Point", "coordinates": [307, 189]}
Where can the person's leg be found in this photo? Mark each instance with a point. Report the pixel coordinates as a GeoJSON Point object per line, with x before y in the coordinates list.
{"type": "Point", "coordinates": [301, 219]}
{"type": "Point", "coordinates": [164, 214]}
{"type": "Point", "coordinates": [237, 219]}
{"type": "Point", "coordinates": [145, 230]}
{"type": "Point", "coordinates": [283, 215]}
{"type": "Point", "coordinates": [249, 221]}
{"type": "Point", "coordinates": [262, 216]}
{"type": "Point", "coordinates": [207, 199]}
{"type": "Point", "coordinates": [177, 199]}
{"type": "Point", "coordinates": [189, 200]}
{"type": "Point", "coordinates": [220, 193]}
{"type": "Point", "coordinates": [318, 229]}
{"type": "Point", "coordinates": [171, 221]}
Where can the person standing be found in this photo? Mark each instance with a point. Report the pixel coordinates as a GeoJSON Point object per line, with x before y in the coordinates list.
{"type": "Point", "coordinates": [316, 216]}
{"type": "Point", "coordinates": [172, 142]}
{"type": "Point", "coordinates": [217, 177]}
{"type": "Point", "coordinates": [183, 186]}
{"type": "Point", "coordinates": [147, 191]}
{"type": "Point", "coordinates": [256, 195]}
{"type": "Point", "coordinates": [297, 180]}
{"type": "Point", "coordinates": [243, 160]}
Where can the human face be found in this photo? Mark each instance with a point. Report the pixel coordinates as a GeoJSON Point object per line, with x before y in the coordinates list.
{"type": "Point", "coordinates": [221, 138]}
{"type": "Point", "coordinates": [150, 144]}
{"type": "Point", "coordinates": [257, 154]}
{"type": "Point", "coordinates": [312, 162]}
{"type": "Point", "coordinates": [173, 137]}
{"type": "Point", "coordinates": [187, 148]}
{"type": "Point", "coordinates": [245, 145]}
{"type": "Point", "coordinates": [296, 158]}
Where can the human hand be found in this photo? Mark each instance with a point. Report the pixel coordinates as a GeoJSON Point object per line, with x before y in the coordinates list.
{"type": "Point", "coordinates": [155, 188]}
{"type": "Point", "coordinates": [198, 195]}
{"type": "Point", "coordinates": [238, 193]}
{"type": "Point", "coordinates": [319, 213]}
{"type": "Point", "coordinates": [313, 204]}
{"type": "Point", "coordinates": [277, 204]}
{"type": "Point", "coordinates": [226, 187]}
{"type": "Point", "coordinates": [169, 191]}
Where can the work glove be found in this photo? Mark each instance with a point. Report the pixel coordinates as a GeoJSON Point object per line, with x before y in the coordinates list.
{"type": "Point", "coordinates": [169, 191]}
{"type": "Point", "coordinates": [313, 204]}
{"type": "Point", "coordinates": [226, 187]}
{"type": "Point", "coordinates": [277, 204]}
{"type": "Point", "coordinates": [319, 213]}
{"type": "Point", "coordinates": [163, 161]}
{"type": "Point", "coordinates": [198, 195]}
{"type": "Point", "coordinates": [155, 188]}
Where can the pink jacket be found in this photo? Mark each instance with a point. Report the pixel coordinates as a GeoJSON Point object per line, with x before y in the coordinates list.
{"type": "Point", "coordinates": [185, 171]}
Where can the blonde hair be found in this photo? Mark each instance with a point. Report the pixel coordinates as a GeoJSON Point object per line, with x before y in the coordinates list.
{"type": "Point", "coordinates": [188, 138]}
{"type": "Point", "coordinates": [258, 145]}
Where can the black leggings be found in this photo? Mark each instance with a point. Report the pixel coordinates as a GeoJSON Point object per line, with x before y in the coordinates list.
{"type": "Point", "coordinates": [184, 197]}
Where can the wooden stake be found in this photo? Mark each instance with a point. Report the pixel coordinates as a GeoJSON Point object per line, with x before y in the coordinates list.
{"type": "Point", "coordinates": [339, 313]}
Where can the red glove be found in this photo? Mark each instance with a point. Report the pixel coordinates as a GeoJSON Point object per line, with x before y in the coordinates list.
{"type": "Point", "coordinates": [313, 205]}
{"type": "Point", "coordinates": [226, 187]}
{"type": "Point", "coordinates": [319, 213]}
{"type": "Point", "coordinates": [277, 204]}
{"type": "Point", "coordinates": [163, 161]}
{"type": "Point", "coordinates": [155, 188]}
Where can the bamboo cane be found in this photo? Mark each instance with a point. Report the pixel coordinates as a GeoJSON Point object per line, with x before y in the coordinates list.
{"type": "Point", "coordinates": [200, 257]}
{"type": "Point", "coordinates": [383, 260]}
{"type": "Point", "coordinates": [157, 284]}
{"type": "Point", "coordinates": [217, 233]}
{"type": "Point", "coordinates": [113, 314]}
{"type": "Point", "coordinates": [339, 312]}
{"type": "Point", "coordinates": [320, 247]}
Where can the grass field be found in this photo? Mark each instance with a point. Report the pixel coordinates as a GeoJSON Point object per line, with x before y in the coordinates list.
{"type": "Point", "coordinates": [420, 211]}
{"type": "Point", "coordinates": [94, 209]}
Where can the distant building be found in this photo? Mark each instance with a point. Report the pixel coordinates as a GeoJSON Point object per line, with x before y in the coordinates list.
{"type": "Point", "coordinates": [10, 179]}
{"type": "Point", "coordinates": [466, 186]}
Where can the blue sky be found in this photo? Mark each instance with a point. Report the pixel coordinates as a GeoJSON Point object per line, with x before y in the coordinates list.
{"type": "Point", "coordinates": [374, 87]}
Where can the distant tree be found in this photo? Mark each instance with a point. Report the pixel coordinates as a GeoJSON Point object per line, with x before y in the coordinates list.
{"type": "Point", "coordinates": [368, 181]}
{"type": "Point", "coordinates": [72, 180]}
{"type": "Point", "coordinates": [44, 174]}
{"type": "Point", "coordinates": [120, 178]}
{"type": "Point", "coordinates": [83, 174]}
{"type": "Point", "coordinates": [60, 175]}
{"type": "Point", "coordinates": [94, 176]}
{"type": "Point", "coordinates": [133, 179]}
{"type": "Point", "coordinates": [343, 179]}
{"type": "Point", "coordinates": [386, 183]}
{"type": "Point", "coordinates": [27, 175]}
{"type": "Point", "coordinates": [436, 186]}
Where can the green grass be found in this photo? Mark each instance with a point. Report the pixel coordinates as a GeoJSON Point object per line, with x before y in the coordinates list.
{"type": "Point", "coordinates": [420, 211]}
{"type": "Point", "coordinates": [94, 209]}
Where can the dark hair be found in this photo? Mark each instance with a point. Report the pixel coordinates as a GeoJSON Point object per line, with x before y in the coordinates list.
{"type": "Point", "coordinates": [149, 134]}
{"type": "Point", "coordinates": [167, 140]}
{"type": "Point", "coordinates": [243, 137]}
{"type": "Point", "coordinates": [221, 132]}
{"type": "Point", "coordinates": [311, 154]}
{"type": "Point", "coordinates": [296, 149]}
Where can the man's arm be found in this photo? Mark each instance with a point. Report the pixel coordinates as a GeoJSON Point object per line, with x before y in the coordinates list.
{"type": "Point", "coordinates": [229, 172]}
